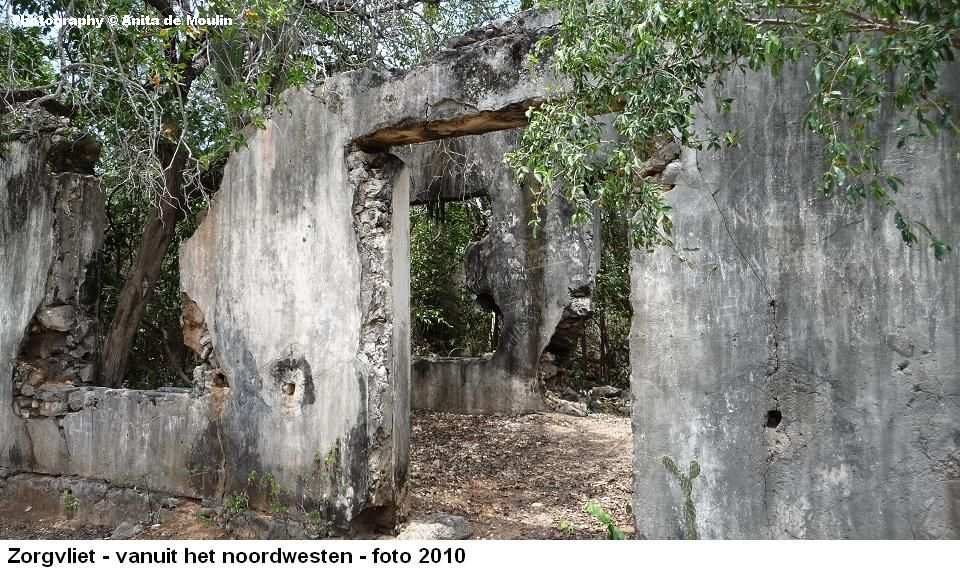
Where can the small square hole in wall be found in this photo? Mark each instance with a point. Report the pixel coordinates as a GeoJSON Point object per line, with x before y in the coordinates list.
{"type": "Point", "coordinates": [773, 418]}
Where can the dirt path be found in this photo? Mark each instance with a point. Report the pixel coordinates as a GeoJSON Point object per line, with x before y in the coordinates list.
{"type": "Point", "coordinates": [523, 477]}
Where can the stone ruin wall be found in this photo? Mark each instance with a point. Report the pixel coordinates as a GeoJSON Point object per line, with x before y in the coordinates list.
{"type": "Point", "coordinates": [300, 272]}
{"type": "Point", "coordinates": [54, 420]}
{"type": "Point", "coordinates": [793, 348]}
{"type": "Point", "coordinates": [296, 290]}
{"type": "Point", "coordinates": [540, 285]}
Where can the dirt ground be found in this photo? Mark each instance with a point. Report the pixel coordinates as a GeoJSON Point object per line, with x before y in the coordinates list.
{"type": "Point", "coordinates": [50, 530]}
{"type": "Point", "coordinates": [525, 477]}
{"type": "Point", "coordinates": [184, 522]}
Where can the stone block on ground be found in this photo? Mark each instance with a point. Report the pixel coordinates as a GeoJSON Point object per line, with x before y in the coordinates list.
{"type": "Point", "coordinates": [436, 526]}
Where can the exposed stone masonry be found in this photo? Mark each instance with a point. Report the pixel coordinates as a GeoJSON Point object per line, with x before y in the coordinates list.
{"type": "Point", "coordinates": [377, 179]}
{"type": "Point", "coordinates": [58, 355]}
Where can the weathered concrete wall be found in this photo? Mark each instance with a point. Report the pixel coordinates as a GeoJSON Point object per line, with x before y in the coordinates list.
{"type": "Point", "coordinates": [297, 300]}
{"type": "Point", "coordinates": [300, 273]}
{"type": "Point", "coordinates": [26, 229]}
{"type": "Point", "coordinates": [794, 347]}
{"type": "Point", "coordinates": [534, 282]}
{"type": "Point", "coordinates": [83, 501]}
{"type": "Point", "coordinates": [52, 420]}
{"type": "Point", "coordinates": [482, 85]}
{"type": "Point", "coordinates": [294, 269]}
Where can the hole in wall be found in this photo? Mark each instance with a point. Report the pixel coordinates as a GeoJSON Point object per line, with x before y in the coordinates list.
{"type": "Point", "coordinates": [289, 388]}
{"type": "Point", "coordinates": [773, 418]}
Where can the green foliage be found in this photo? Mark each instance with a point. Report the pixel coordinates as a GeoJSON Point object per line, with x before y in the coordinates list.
{"type": "Point", "coordinates": [566, 528]}
{"type": "Point", "coordinates": [274, 494]}
{"type": "Point", "coordinates": [317, 523]}
{"type": "Point", "coordinates": [330, 460]}
{"type": "Point", "coordinates": [26, 55]}
{"type": "Point", "coordinates": [237, 503]}
{"type": "Point", "coordinates": [649, 64]}
{"type": "Point", "coordinates": [602, 358]}
{"type": "Point", "coordinates": [266, 484]}
{"type": "Point", "coordinates": [446, 318]}
{"type": "Point", "coordinates": [159, 336]}
{"type": "Point", "coordinates": [71, 504]}
{"type": "Point", "coordinates": [686, 486]}
{"type": "Point", "coordinates": [611, 299]}
{"type": "Point", "coordinates": [597, 512]}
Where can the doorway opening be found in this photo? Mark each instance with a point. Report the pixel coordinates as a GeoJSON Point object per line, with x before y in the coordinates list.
{"type": "Point", "coordinates": [520, 399]}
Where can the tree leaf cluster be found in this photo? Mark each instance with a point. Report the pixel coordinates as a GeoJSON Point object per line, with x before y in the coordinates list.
{"type": "Point", "coordinates": [646, 67]}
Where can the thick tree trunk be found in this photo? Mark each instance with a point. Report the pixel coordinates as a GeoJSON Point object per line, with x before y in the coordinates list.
{"type": "Point", "coordinates": [173, 349]}
{"type": "Point", "coordinates": [158, 233]}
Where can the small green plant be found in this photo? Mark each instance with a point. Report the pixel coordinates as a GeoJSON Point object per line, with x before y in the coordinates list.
{"type": "Point", "coordinates": [327, 460]}
{"type": "Point", "coordinates": [237, 503]}
{"type": "Point", "coordinates": [686, 486]}
{"type": "Point", "coordinates": [332, 457]}
{"type": "Point", "coordinates": [70, 503]}
{"type": "Point", "coordinates": [598, 513]}
{"type": "Point", "coordinates": [566, 528]}
{"type": "Point", "coordinates": [205, 518]}
{"type": "Point", "coordinates": [274, 494]}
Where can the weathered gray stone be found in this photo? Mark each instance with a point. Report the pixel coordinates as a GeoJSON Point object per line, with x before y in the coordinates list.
{"type": "Point", "coordinates": [562, 406]}
{"type": "Point", "coordinates": [604, 392]}
{"type": "Point", "coordinates": [58, 318]}
{"type": "Point", "coordinates": [251, 525]}
{"type": "Point", "coordinates": [795, 349]}
{"type": "Point", "coordinates": [125, 531]}
{"type": "Point", "coordinates": [82, 500]}
{"type": "Point", "coordinates": [539, 284]}
{"type": "Point", "coordinates": [51, 226]}
{"type": "Point", "coordinates": [53, 408]}
{"type": "Point", "coordinates": [769, 346]}
{"type": "Point", "coordinates": [436, 527]}
{"type": "Point", "coordinates": [480, 87]}
{"type": "Point", "coordinates": [314, 345]}
{"type": "Point", "coordinates": [300, 271]}
{"type": "Point", "coordinates": [170, 503]}
{"type": "Point", "coordinates": [952, 498]}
